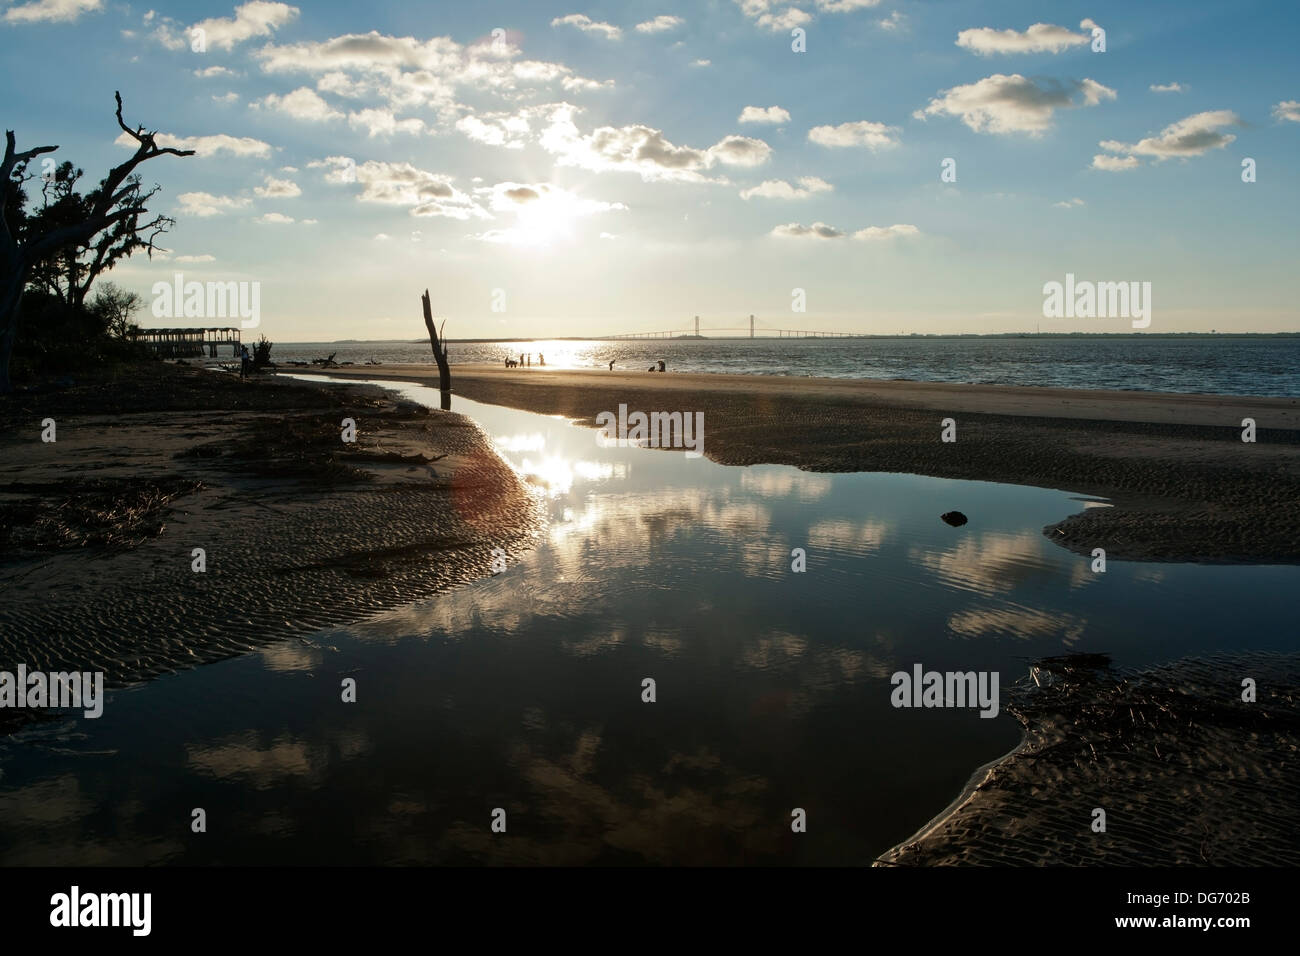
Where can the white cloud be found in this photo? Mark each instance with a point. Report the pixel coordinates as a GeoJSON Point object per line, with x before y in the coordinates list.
{"type": "Point", "coordinates": [1069, 203]}
{"type": "Point", "coordinates": [410, 74]}
{"type": "Point", "coordinates": [274, 219]}
{"type": "Point", "coordinates": [660, 24]}
{"type": "Point", "coordinates": [874, 136]}
{"type": "Point", "coordinates": [206, 204]}
{"type": "Point", "coordinates": [1039, 38]}
{"type": "Point", "coordinates": [1014, 104]}
{"type": "Point", "coordinates": [1194, 135]}
{"type": "Point", "coordinates": [1167, 88]}
{"type": "Point", "coordinates": [401, 184]}
{"type": "Point", "coordinates": [205, 146]}
{"type": "Point", "coordinates": [765, 15]}
{"type": "Point", "coordinates": [895, 21]}
{"type": "Point", "coordinates": [780, 189]}
{"type": "Point", "coordinates": [225, 98]}
{"type": "Point", "coordinates": [211, 71]}
{"type": "Point", "coordinates": [845, 6]}
{"type": "Point", "coordinates": [820, 230]}
{"type": "Point", "coordinates": [302, 104]}
{"type": "Point", "coordinates": [588, 25]}
{"type": "Point", "coordinates": [382, 122]}
{"type": "Point", "coordinates": [51, 11]}
{"type": "Point", "coordinates": [277, 189]}
{"type": "Point", "coordinates": [763, 114]}
{"type": "Point", "coordinates": [643, 150]}
{"type": "Point", "coordinates": [1114, 164]}
{"type": "Point", "coordinates": [1287, 110]}
{"type": "Point", "coordinates": [202, 258]}
{"type": "Point", "coordinates": [740, 151]}
{"type": "Point", "coordinates": [878, 233]}
{"type": "Point", "coordinates": [255, 19]}
{"type": "Point", "coordinates": [508, 130]}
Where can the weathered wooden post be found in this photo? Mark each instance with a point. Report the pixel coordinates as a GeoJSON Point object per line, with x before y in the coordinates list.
{"type": "Point", "coordinates": [439, 353]}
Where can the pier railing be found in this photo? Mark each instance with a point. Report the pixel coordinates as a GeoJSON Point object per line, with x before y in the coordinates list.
{"type": "Point", "coordinates": [188, 342]}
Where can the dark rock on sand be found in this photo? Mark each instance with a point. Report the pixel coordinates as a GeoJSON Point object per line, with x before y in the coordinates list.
{"type": "Point", "coordinates": [954, 518]}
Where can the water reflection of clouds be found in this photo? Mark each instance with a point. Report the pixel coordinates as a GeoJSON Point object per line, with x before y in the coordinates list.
{"type": "Point", "coordinates": [53, 813]}
{"type": "Point", "coordinates": [1021, 623]}
{"type": "Point", "coordinates": [785, 483]}
{"type": "Point", "coordinates": [556, 475]}
{"type": "Point", "coordinates": [992, 562]}
{"type": "Point", "coordinates": [843, 534]}
{"type": "Point", "coordinates": [247, 758]}
{"type": "Point", "coordinates": [692, 799]}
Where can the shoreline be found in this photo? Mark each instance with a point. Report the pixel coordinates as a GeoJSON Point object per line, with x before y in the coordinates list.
{"type": "Point", "coordinates": [1182, 484]}
{"type": "Point", "coordinates": [1187, 773]}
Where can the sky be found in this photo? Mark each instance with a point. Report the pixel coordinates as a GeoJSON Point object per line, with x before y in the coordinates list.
{"type": "Point", "coordinates": [556, 168]}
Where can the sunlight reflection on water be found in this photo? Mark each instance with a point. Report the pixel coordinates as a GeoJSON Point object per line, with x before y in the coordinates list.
{"type": "Point", "coordinates": [522, 690]}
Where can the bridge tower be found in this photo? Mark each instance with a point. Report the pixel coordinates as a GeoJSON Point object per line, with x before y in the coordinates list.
{"type": "Point", "coordinates": [697, 326]}
{"type": "Point", "coordinates": [751, 326]}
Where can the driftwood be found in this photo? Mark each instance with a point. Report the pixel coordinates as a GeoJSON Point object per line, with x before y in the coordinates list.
{"type": "Point", "coordinates": [439, 352]}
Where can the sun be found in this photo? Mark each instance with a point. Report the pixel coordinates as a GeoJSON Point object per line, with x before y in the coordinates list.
{"type": "Point", "coordinates": [544, 214]}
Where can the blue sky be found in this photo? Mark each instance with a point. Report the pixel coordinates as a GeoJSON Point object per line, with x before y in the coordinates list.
{"type": "Point", "coordinates": [625, 166]}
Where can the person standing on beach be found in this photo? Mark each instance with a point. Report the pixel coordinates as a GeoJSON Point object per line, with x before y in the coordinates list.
{"type": "Point", "coordinates": [244, 361]}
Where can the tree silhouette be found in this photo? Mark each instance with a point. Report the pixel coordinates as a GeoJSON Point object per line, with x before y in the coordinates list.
{"type": "Point", "coordinates": [71, 239]}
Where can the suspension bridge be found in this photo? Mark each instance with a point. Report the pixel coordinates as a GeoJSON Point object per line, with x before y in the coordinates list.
{"type": "Point", "coordinates": [756, 329]}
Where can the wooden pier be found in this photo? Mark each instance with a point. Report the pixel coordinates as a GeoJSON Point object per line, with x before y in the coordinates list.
{"type": "Point", "coordinates": [188, 343]}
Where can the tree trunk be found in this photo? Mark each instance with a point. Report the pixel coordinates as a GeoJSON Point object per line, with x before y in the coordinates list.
{"type": "Point", "coordinates": [11, 298]}
{"type": "Point", "coordinates": [439, 353]}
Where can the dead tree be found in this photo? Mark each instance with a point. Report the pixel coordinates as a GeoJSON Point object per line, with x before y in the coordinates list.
{"type": "Point", "coordinates": [116, 206]}
{"type": "Point", "coordinates": [439, 352]}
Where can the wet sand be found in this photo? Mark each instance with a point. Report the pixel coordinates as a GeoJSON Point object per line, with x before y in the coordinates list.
{"type": "Point", "coordinates": [300, 530]}
{"type": "Point", "coordinates": [1184, 485]}
{"type": "Point", "coordinates": [1187, 773]}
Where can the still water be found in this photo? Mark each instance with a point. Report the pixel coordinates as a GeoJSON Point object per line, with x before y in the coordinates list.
{"type": "Point", "coordinates": [523, 691]}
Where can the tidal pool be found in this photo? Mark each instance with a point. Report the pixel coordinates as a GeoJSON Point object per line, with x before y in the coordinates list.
{"type": "Point", "coordinates": [524, 691]}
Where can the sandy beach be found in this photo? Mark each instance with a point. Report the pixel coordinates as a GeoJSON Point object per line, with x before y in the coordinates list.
{"type": "Point", "coordinates": [299, 529]}
{"type": "Point", "coordinates": [1184, 485]}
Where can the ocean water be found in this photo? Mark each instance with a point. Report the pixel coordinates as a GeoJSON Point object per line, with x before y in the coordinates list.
{"type": "Point", "coordinates": [1228, 365]}
{"type": "Point", "coordinates": [524, 690]}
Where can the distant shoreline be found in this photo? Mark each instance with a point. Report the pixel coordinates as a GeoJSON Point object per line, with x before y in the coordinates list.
{"type": "Point", "coordinates": [872, 335]}
{"type": "Point", "coordinates": [1183, 484]}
